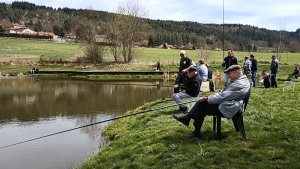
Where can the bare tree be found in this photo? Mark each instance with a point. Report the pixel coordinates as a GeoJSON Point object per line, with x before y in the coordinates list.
{"type": "Point", "coordinates": [294, 46]}
{"type": "Point", "coordinates": [128, 27]}
{"type": "Point", "coordinates": [87, 29]}
{"type": "Point", "coordinates": [279, 41]}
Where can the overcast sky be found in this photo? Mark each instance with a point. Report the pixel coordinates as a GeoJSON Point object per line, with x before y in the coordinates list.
{"type": "Point", "coordinates": [269, 14]}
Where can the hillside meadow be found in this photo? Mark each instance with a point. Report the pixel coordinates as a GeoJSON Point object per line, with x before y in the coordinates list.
{"type": "Point", "coordinates": [30, 50]}
{"type": "Point", "coordinates": [19, 55]}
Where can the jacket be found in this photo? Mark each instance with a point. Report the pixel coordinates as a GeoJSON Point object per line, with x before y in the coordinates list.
{"type": "Point", "coordinates": [274, 67]}
{"type": "Point", "coordinates": [230, 61]}
{"type": "Point", "coordinates": [230, 99]}
{"type": "Point", "coordinates": [193, 86]}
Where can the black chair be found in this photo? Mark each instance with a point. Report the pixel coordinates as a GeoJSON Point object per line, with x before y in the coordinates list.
{"type": "Point", "coordinates": [237, 119]}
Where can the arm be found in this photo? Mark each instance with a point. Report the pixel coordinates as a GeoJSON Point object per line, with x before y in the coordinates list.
{"type": "Point", "coordinates": [191, 65]}
{"type": "Point", "coordinates": [223, 63]}
{"type": "Point", "coordinates": [234, 91]}
{"type": "Point", "coordinates": [184, 70]}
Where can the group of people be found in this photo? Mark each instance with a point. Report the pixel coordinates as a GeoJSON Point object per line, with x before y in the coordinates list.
{"type": "Point", "coordinates": [189, 79]}
{"type": "Point", "coordinates": [228, 102]}
{"type": "Point", "coordinates": [250, 66]}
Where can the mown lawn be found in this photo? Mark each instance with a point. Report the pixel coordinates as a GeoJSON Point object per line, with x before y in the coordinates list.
{"type": "Point", "coordinates": [156, 140]}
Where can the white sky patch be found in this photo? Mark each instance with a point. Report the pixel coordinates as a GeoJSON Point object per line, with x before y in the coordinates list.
{"type": "Point", "coordinates": [259, 13]}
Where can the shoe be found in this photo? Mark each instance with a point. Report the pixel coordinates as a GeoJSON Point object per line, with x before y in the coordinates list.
{"type": "Point", "coordinates": [182, 108]}
{"type": "Point", "coordinates": [183, 119]}
{"type": "Point", "coordinates": [193, 135]}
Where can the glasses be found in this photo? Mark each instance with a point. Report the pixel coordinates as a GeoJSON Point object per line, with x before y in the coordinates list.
{"type": "Point", "coordinates": [181, 54]}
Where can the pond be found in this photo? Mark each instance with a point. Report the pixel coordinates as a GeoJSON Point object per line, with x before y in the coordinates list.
{"type": "Point", "coordinates": [31, 108]}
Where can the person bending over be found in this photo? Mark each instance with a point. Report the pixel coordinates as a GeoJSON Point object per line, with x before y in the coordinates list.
{"type": "Point", "coordinates": [184, 66]}
{"type": "Point", "coordinates": [191, 89]}
{"type": "Point", "coordinates": [226, 103]}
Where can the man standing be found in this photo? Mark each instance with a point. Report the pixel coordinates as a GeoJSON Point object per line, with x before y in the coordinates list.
{"type": "Point", "coordinates": [185, 64]}
{"type": "Point", "coordinates": [274, 67]}
{"type": "Point", "coordinates": [191, 89]}
{"type": "Point", "coordinates": [226, 103]}
{"type": "Point", "coordinates": [253, 69]}
{"type": "Point", "coordinates": [247, 65]}
{"type": "Point", "coordinates": [228, 61]}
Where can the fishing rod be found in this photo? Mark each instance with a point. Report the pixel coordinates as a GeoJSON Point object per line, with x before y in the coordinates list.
{"type": "Point", "coordinates": [153, 109]}
{"type": "Point", "coordinates": [179, 86]}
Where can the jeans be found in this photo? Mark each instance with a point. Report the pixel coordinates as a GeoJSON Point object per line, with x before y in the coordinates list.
{"type": "Point", "coordinates": [225, 79]}
{"type": "Point", "coordinates": [178, 96]}
{"type": "Point", "coordinates": [253, 77]}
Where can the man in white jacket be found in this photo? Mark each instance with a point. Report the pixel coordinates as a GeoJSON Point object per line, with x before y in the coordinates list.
{"type": "Point", "coordinates": [226, 103]}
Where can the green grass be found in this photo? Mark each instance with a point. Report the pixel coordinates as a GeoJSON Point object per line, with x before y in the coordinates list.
{"type": "Point", "coordinates": [34, 50]}
{"type": "Point", "coordinates": [156, 140]}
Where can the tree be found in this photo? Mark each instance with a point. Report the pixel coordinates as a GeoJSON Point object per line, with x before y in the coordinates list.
{"type": "Point", "coordinates": [294, 46]}
{"type": "Point", "coordinates": [280, 38]}
{"type": "Point", "coordinates": [88, 27]}
{"type": "Point", "coordinates": [58, 31]}
{"type": "Point", "coordinates": [129, 27]}
{"type": "Point", "coordinates": [151, 42]}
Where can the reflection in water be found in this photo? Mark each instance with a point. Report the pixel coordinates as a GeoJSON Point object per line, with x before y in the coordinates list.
{"type": "Point", "coordinates": [34, 107]}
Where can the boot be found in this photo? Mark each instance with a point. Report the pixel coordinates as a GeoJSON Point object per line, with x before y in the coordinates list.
{"type": "Point", "coordinates": [183, 119]}
{"type": "Point", "coordinates": [197, 131]}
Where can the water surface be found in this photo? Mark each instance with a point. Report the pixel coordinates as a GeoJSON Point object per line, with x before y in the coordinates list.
{"type": "Point", "coordinates": [32, 107]}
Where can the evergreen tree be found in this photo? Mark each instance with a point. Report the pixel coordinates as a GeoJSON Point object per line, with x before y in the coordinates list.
{"type": "Point", "coordinates": [151, 42]}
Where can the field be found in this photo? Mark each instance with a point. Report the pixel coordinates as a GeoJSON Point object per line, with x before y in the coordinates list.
{"type": "Point", "coordinates": [29, 50]}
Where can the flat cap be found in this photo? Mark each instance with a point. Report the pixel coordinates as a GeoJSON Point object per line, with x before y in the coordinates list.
{"type": "Point", "coordinates": [232, 68]}
{"type": "Point", "coordinates": [192, 69]}
{"type": "Point", "coordinates": [246, 57]}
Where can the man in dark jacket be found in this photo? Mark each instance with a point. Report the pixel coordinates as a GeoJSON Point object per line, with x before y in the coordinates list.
{"type": "Point", "coordinates": [253, 69]}
{"type": "Point", "coordinates": [191, 89]}
{"type": "Point", "coordinates": [185, 64]}
{"type": "Point", "coordinates": [228, 61]}
{"type": "Point", "coordinates": [274, 67]}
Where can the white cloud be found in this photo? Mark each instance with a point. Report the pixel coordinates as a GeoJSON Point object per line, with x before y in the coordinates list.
{"type": "Point", "coordinates": [260, 13]}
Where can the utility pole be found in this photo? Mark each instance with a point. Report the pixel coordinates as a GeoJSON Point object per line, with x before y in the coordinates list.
{"type": "Point", "coordinates": [223, 33]}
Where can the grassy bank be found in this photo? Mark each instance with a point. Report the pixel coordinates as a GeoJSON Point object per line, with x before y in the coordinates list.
{"type": "Point", "coordinates": [156, 140]}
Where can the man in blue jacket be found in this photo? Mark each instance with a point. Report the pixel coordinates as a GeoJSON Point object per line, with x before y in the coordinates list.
{"type": "Point", "coordinates": [226, 103]}
{"type": "Point", "coordinates": [191, 89]}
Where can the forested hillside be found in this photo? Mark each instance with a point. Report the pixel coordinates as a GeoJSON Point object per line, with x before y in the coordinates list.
{"type": "Point", "coordinates": [190, 35]}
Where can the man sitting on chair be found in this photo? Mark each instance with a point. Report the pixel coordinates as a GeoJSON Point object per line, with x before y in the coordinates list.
{"type": "Point", "coordinates": [191, 89]}
{"type": "Point", "coordinates": [226, 103]}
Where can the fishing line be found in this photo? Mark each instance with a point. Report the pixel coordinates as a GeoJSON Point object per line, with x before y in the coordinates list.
{"type": "Point", "coordinates": [158, 108]}
{"type": "Point", "coordinates": [142, 85]}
